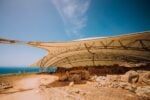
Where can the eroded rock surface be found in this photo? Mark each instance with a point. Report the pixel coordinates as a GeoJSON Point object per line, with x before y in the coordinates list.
{"type": "Point", "coordinates": [135, 80]}
{"type": "Point", "coordinates": [75, 76]}
{"type": "Point", "coordinates": [131, 81]}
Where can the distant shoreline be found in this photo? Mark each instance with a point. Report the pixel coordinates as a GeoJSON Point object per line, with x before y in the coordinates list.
{"type": "Point", "coordinates": [22, 70]}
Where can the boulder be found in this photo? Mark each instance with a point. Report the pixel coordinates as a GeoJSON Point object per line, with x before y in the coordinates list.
{"type": "Point", "coordinates": [143, 91]}
{"type": "Point", "coordinates": [75, 78]}
{"type": "Point", "coordinates": [130, 76]}
{"type": "Point", "coordinates": [146, 78]}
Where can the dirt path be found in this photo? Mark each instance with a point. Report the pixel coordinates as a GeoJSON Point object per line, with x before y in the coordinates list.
{"type": "Point", "coordinates": [37, 87]}
{"type": "Point", "coordinates": [28, 88]}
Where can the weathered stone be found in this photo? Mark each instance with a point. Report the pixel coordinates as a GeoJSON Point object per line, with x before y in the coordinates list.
{"type": "Point", "coordinates": [133, 76]}
{"type": "Point", "coordinates": [123, 84]}
{"type": "Point", "coordinates": [75, 77]}
{"type": "Point", "coordinates": [113, 77]}
{"type": "Point", "coordinates": [130, 76]}
{"type": "Point", "coordinates": [100, 79]}
{"type": "Point", "coordinates": [85, 75]}
{"type": "Point", "coordinates": [127, 86]}
{"type": "Point", "coordinates": [114, 85]}
{"type": "Point", "coordinates": [124, 78]}
{"type": "Point", "coordinates": [130, 88]}
{"type": "Point", "coordinates": [143, 91]}
{"type": "Point", "coordinates": [146, 78]}
{"type": "Point", "coordinates": [93, 78]}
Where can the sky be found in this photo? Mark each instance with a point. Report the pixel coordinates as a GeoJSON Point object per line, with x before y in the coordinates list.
{"type": "Point", "coordinates": [65, 20]}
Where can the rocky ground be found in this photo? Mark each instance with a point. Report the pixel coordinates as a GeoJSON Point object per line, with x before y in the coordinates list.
{"type": "Point", "coordinates": [128, 86]}
{"type": "Point", "coordinates": [137, 82]}
{"type": "Point", "coordinates": [132, 85]}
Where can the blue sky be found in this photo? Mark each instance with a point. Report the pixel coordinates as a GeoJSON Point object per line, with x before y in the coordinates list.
{"type": "Point", "coordinates": [65, 20]}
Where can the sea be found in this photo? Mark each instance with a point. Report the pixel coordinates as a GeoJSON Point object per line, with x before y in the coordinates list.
{"type": "Point", "coordinates": [24, 69]}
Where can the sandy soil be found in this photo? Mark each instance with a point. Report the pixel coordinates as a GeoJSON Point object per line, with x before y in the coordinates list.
{"type": "Point", "coordinates": [46, 87]}
{"type": "Point", "coordinates": [25, 86]}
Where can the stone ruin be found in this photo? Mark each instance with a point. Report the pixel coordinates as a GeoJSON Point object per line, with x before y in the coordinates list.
{"type": "Point", "coordinates": [83, 73]}
{"type": "Point", "coordinates": [135, 79]}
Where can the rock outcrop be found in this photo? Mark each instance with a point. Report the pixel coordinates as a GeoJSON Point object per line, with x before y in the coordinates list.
{"type": "Point", "coordinates": [75, 76]}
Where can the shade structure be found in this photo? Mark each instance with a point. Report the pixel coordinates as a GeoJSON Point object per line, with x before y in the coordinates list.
{"type": "Point", "coordinates": [127, 50]}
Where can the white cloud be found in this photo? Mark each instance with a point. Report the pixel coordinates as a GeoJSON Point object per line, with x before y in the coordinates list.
{"type": "Point", "coordinates": [73, 14]}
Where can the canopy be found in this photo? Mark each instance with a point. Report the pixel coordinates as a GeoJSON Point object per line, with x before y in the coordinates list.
{"type": "Point", "coordinates": [128, 50]}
